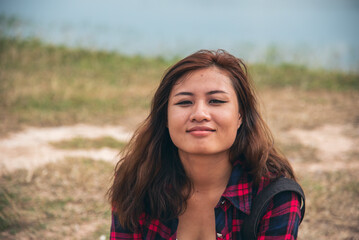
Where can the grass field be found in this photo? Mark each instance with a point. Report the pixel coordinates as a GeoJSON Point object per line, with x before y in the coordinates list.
{"type": "Point", "coordinates": [43, 85]}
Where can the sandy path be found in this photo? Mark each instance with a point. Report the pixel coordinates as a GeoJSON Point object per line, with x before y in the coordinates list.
{"type": "Point", "coordinates": [31, 148]}
{"type": "Point", "coordinates": [332, 147]}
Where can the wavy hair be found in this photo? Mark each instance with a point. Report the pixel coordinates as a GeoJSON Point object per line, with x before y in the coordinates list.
{"type": "Point", "coordinates": [150, 178]}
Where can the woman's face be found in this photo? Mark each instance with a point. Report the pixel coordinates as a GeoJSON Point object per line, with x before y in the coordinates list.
{"type": "Point", "coordinates": [203, 114]}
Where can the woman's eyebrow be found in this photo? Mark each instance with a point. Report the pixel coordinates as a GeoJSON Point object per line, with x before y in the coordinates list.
{"type": "Point", "coordinates": [215, 92]}
{"type": "Point", "coordinates": [208, 93]}
{"type": "Point", "coordinates": [184, 93]}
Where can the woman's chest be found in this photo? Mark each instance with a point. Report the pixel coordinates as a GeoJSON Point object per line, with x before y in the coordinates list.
{"type": "Point", "coordinates": [199, 220]}
{"type": "Point", "coordinates": [197, 225]}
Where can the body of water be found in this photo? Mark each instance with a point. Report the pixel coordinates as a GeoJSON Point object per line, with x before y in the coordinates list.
{"type": "Point", "coordinates": [317, 33]}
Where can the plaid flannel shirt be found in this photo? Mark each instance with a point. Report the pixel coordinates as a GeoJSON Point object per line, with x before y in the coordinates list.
{"type": "Point", "coordinates": [280, 221]}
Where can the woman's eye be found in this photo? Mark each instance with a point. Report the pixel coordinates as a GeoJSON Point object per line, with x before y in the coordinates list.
{"type": "Point", "coordinates": [184, 103]}
{"type": "Point", "coordinates": [216, 101]}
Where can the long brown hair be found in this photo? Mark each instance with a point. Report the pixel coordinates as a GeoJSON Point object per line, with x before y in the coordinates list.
{"type": "Point", "coordinates": [149, 178]}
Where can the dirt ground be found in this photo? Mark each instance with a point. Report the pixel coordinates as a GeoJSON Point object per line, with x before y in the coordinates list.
{"type": "Point", "coordinates": [327, 123]}
{"type": "Point", "coordinates": [31, 148]}
{"type": "Point", "coordinates": [319, 133]}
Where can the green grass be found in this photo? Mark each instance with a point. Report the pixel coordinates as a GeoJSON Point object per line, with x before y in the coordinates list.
{"type": "Point", "coordinates": [86, 143]}
{"type": "Point", "coordinates": [332, 205]}
{"type": "Point", "coordinates": [51, 85]}
{"type": "Point", "coordinates": [58, 197]}
{"type": "Point", "coordinates": [300, 77]}
{"type": "Point", "coordinates": [9, 214]}
{"type": "Point", "coordinates": [46, 85]}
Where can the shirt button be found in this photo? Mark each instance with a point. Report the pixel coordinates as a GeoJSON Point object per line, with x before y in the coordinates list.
{"type": "Point", "coordinates": [219, 235]}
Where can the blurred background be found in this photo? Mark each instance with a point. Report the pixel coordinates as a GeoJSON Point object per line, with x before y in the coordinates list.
{"type": "Point", "coordinates": [77, 77]}
{"type": "Point", "coordinates": [321, 33]}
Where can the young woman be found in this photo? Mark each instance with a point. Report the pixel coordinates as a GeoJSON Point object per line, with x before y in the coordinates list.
{"type": "Point", "coordinates": [204, 152]}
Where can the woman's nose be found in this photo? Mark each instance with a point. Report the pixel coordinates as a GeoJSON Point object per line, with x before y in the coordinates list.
{"type": "Point", "coordinates": [200, 112]}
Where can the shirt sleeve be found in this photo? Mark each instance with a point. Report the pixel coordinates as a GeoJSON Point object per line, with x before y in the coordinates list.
{"type": "Point", "coordinates": [118, 232]}
{"type": "Point", "coordinates": [282, 218]}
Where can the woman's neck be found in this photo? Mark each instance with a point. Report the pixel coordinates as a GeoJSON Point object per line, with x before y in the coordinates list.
{"type": "Point", "coordinates": [208, 173]}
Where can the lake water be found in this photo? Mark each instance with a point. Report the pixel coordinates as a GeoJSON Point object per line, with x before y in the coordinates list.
{"type": "Point", "coordinates": [318, 33]}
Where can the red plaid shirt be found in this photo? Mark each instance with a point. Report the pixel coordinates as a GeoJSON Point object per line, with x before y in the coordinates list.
{"type": "Point", "coordinates": [280, 221]}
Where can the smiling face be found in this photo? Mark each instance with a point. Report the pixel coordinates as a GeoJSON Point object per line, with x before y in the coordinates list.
{"type": "Point", "coordinates": [203, 113]}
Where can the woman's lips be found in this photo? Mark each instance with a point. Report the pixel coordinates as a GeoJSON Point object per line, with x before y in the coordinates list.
{"type": "Point", "coordinates": [200, 131]}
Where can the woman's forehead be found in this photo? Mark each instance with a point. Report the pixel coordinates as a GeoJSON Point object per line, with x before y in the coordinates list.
{"type": "Point", "coordinates": [206, 78]}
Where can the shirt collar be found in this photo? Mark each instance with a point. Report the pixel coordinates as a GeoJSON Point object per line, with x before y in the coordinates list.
{"type": "Point", "coordinates": [239, 188]}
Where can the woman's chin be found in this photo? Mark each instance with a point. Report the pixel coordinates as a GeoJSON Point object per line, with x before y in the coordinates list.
{"type": "Point", "coordinates": [198, 151]}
